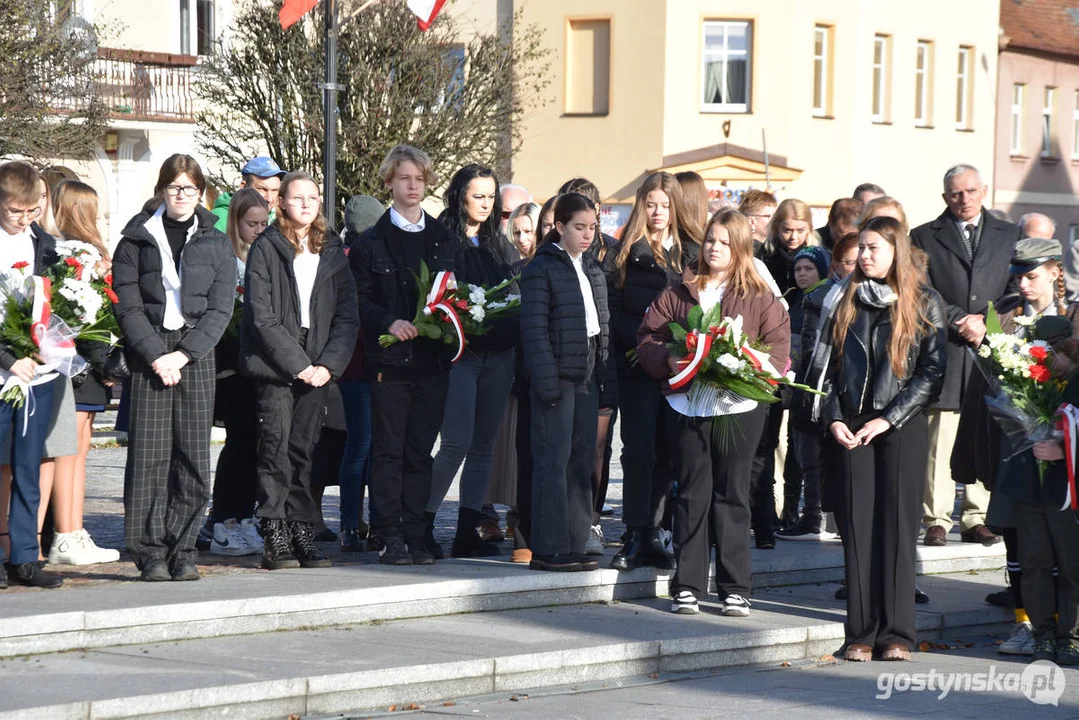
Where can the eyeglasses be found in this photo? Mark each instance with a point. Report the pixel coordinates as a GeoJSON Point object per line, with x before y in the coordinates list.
{"type": "Point", "coordinates": [848, 263]}
{"type": "Point", "coordinates": [309, 201]}
{"type": "Point", "coordinates": [17, 214]}
{"type": "Point", "coordinates": [181, 190]}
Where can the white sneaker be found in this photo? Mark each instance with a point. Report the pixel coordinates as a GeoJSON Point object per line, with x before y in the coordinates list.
{"type": "Point", "coordinates": [1021, 641]}
{"type": "Point", "coordinates": [736, 606]}
{"type": "Point", "coordinates": [250, 529]}
{"type": "Point", "coordinates": [685, 603]}
{"type": "Point", "coordinates": [70, 549]}
{"type": "Point", "coordinates": [99, 554]}
{"type": "Point", "coordinates": [594, 546]}
{"type": "Point", "coordinates": [229, 540]}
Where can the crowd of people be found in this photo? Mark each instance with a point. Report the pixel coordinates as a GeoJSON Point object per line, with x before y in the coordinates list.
{"type": "Point", "coordinates": [301, 343]}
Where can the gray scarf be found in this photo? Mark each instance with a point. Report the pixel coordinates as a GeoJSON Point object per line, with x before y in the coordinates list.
{"type": "Point", "coordinates": [876, 294]}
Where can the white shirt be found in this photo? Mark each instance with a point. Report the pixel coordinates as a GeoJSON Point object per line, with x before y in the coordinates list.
{"type": "Point", "coordinates": [668, 242]}
{"type": "Point", "coordinates": [591, 317]}
{"type": "Point", "coordinates": [305, 267]}
{"type": "Point", "coordinates": [171, 277]}
{"type": "Point", "coordinates": [402, 222]}
{"type": "Point", "coordinates": [710, 297]}
{"type": "Point", "coordinates": [15, 249]}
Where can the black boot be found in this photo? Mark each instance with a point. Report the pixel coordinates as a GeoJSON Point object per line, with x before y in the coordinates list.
{"type": "Point", "coordinates": [304, 547]}
{"type": "Point", "coordinates": [467, 542]}
{"type": "Point", "coordinates": [276, 550]}
{"type": "Point", "coordinates": [657, 555]}
{"type": "Point", "coordinates": [629, 556]}
{"type": "Point", "coordinates": [429, 543]}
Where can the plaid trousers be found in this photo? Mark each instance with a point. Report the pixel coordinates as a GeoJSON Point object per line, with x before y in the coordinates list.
{"type": "Point", "coordinates": [167, 483]}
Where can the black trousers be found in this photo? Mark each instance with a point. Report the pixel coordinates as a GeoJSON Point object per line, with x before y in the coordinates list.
{"type": "Point", "coordinates": [763, 481]}
{"type": "Point", "coordinates": [646, 459]}
{"type": "Point", "coordinates": [406, 415]}
{"type": "Point", "coordinates": [167, 479]}
{"type": "Point", "coordinates": [1049, 538]}
{"type": "Point", "coordinates": [712, 507]}
{"type": "Point", "coordinates": [563, 455]}
{"type": "Point", "coordinates": [600, 497]}
{"type": "Point", "coordinates": [290, 421]}
{"type": "Point", "coordinates": [882, 486]}
{"type": "Point", "coordinates": [236, 479]}
{"type": "Point", "coordinates": [524, 462]}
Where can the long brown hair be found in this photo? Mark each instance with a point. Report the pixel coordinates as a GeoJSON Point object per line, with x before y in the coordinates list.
{"type": "Point", "coordinates": [742, 276]}
{"type": "Point", "coordinates": [244, 199]}
{"type": "Point", "coordinates": [316, 234]}
{"type": "Point", "coordinates": [637, 226]}
{"type": "Point", "coordinates": [695, 202]}
{"type": "Point", "coordinates": [76, 214]}
{"type": "Point", "coordinates": [909, 319]}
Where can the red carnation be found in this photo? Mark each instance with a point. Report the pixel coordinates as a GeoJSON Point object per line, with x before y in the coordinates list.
{"type": "Point", "coordinates": [112, 295]}
{"type": "Point", "coordinates": [1039, 373]}
{"type": "Point", "coordinates": [20, 265]}
{"type": "Point", "coordinates": [1039, 353]}
{"type": "Point", "coordinates": [461, 304]}
{"type": "Point", "coordinates": [108, 279]}
{"type": "Point", "coordinates": [691, 342]}
{"type": "Point", "coordinates": [239, 289]}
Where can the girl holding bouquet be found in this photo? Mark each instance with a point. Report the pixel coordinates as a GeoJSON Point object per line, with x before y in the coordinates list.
{"type": "Point", "coordinates": [481, 380]}
{"type": "Point", "coordinates": [713, 443]}
{"type": "Point", "coordinates": [886, 365]}
{"type": "Point", "coordinates": [297, 334]}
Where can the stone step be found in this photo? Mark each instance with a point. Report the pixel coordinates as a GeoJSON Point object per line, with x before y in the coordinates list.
{"type": "Point", "coordinates": [242, 602]}
{"type": "Point", "coordinates": [379, 666]}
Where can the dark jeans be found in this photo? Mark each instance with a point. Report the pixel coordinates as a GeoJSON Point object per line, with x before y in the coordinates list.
{"type": "Point", "coordinates": [290, 423]}
{"type": "Point", "coordinates": [1049, 538]}
{"type": "Point", "coordinates": [236, 479]}
{"type": "Point", "coordinates": [646, 459]}
{"type": "Point", "coordinates": [882, 486]}
{"type": "Point", "coordinates": [27, 443]}
{"type": "Point", "coordinates": [806, 447]}
{"type": "Point", "coordinates": [356, 398]}
{"type": "Point", "coordinates": [406, 415]}
{"type": "Point", "coordinates": [713, 473]}
{"type": "Point", "coordinates": [564, 453]}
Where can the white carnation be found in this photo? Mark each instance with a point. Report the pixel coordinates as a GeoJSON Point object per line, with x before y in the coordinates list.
{"type": "Point", "coordinates": [477, 312]}
{"type": "Point", "coordinates": [730, 362]}
{"type": "Point", "coordinates": [476, 295]}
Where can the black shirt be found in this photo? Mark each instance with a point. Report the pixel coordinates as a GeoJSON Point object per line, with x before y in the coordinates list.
{"type": "Point", "coordinates": [176, 231]}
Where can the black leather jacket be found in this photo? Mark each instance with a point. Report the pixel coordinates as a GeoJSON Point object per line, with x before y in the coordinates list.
{"type": "Point", "coordinates": [861, 380]}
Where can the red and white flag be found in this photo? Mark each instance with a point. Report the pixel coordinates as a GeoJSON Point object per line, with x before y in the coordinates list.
{"type": "Point", "coordinates": [292, 10]}
{"type": "Point", "coordinates": [425, 11]}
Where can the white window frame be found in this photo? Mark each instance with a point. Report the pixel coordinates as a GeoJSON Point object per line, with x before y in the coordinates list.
{"type": "Point", "coordinates": [820, 103]}
{"type": "Point", "coordinates": [962, 105]}
{"type": "Point", "coordinates": [1016, 137]}
{"type": "Point", "coordinates": [1048, 99]}
{"type": "Point", "coordinates": [879, 98]}
{"type": "Point", "coordinates": [923, 64]}
{"type": "Point", "coordinates": [1075, 128]}
{"type": "Point", "coordinates": [725, 55]}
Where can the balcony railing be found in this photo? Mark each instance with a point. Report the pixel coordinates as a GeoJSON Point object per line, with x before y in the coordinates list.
{"type": "Point", "coordinates": [139, 85]}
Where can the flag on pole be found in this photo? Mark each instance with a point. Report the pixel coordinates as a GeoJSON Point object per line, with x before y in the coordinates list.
{"type": "Point", "coordinates": [292, 10]}
{"type": "Point", "coordinates": [425, 11]}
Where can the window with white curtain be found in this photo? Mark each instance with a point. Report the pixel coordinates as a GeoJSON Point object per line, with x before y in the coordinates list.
{"type": "Point", "coordinates": [1016, 144]}
{"type": "Point", "coordinates": [726, 66]}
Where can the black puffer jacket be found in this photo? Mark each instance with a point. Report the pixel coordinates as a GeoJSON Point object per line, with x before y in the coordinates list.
{"type": "Point", "coordinates": [44, 256]}
{"type": "Point", "coordinates": [270, 329]}
{"type": "Point", "coordinates": [806, 371]}
{"type": "Point", "coordinates": [553, 331]}
{"type": "Point", "coordinates": [489, 266]}
{"type": "Point", "coordinates": [862, 381]}
{"type": "Point", "coordinates": [387, 291]}
{"type": "Point", "coordinates": [781, 264]}
{"type": "Point", "coordinates": [645, 280]}
{"type": "Point", "coordinates": [208, 287]}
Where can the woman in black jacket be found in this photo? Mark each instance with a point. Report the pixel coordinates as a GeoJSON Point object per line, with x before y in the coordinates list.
{"type": "Point", "coordinates": [481, 380]}
{"type": "Point", "coordinates": [652, 255]}
{"type": "Point", "coordinates": [298, 332]}
{"type": "Point", "coordinates": [886, 367]}
{"type": "Point", "coordinates": [175, 279]}
{"type": "Point", "coordinates": [564, 332]}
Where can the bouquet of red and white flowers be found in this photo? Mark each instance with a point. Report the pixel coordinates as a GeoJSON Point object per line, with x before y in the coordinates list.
{"type": "Point", "coordinates": [82, 293]}
{"type": "Point", "coordinates": [451, 312]}
{"type": "Point", "coordinates": [720, 365]}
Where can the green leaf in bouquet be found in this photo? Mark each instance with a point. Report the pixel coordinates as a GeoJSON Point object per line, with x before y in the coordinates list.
{"type": "Point", "coordinates": [714, 316]}
{"type": "Point", "coordinates": [430, 330]}
{"type": "Point", "coordinates": [696, 314]}
{"type": "Point", "coordinates": [678, 332]}
{"type": "Point", "coordinates": [425, 274]}
{"type": "Point", "coordinates": [992, 321]}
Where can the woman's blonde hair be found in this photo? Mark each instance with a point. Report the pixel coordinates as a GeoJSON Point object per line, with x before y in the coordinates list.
{"type": "Point", "coordinates": [906, 278]}
{"type": "Point", "coordinates": [742, 276]}
{"type": "Point", "coordinates": [637, 226]}
{"type": "Point", "coordinates": [244, 199]}
{"type": "Point", "coordinates": [790, 209]}
{"type": "Point", "coordinates": [531, 211]}
{"type": "Point", "coordinates": [76, 214]}
{"type": "Point", "coordinates": [316, 234]}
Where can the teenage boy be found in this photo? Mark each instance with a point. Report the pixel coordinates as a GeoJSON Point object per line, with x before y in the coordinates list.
{"type": "Point", "coordinates": [411, 377]}
{"type": "Point", "coordinates": [758, 206]}
{"type": "Point", "coordinates": [260, 173]}
{"type": "Point", "coordinates": [24, 246]}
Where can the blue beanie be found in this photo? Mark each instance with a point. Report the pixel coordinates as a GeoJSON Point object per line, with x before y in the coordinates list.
{"type": "Point", "coordinates": [818, 256]}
